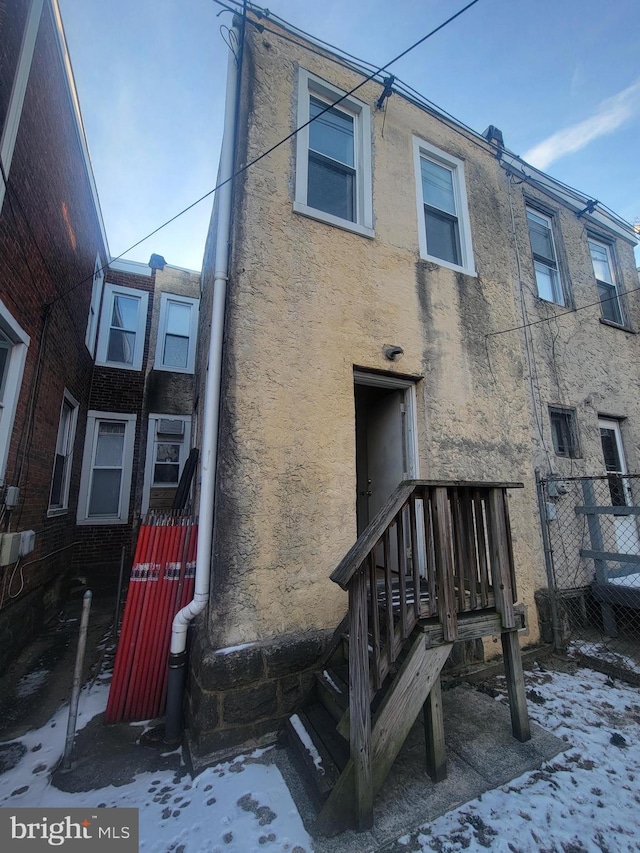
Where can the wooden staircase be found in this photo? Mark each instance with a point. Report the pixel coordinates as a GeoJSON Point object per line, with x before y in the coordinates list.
{"type": "Point", "coordinates": [435, 566]}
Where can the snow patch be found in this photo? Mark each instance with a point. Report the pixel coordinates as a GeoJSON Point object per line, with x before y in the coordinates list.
{"type": "Point", "coordinates": [228, 649]}
{"type": "Point", "coordinates": [308, 744]}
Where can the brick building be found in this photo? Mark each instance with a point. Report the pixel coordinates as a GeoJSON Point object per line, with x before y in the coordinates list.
{"type": "Point", "coordinates": [52, 247]}
{"type": "Point", "coordinates": [96, 361]}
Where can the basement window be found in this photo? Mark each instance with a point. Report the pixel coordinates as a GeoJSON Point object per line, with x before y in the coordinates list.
{"type": "Point", "coordinates": [564, 432]}
{"type": "Point", "coordinates": [333, 157]}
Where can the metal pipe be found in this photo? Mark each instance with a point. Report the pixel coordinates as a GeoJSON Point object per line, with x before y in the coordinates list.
{"type": "Point", "coordinates": [210, 409]}
{"type": "Point", "coordinates": [116, 623]}
{"type": "Point", "coordinates": [77, 677]}
{"type": "Point", "coordinates": [548, 564]}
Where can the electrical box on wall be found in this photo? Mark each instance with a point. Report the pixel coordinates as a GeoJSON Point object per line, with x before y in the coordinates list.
{"type": "Point", "coordinates": [27, 542]}
{"type": "Point", "coordinates": [9, 548]}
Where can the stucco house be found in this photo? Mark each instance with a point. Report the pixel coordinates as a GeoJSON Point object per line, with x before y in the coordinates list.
{"type": "Point", "coordinates": [393, 297]}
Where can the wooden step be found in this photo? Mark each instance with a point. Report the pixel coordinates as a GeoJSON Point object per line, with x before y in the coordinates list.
{"type": "Point", "coordinates": [333, 690]}
{"type": "Point", "coordinates": [307, 732]}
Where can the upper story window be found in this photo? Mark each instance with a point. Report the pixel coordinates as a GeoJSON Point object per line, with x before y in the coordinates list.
{"type": "Point", "coordinates": [59, 495]}
{"type": "Point", "coordinates": [122, 327]}
{"type": "Point", "coordinates": [444, 229]}
{"type": "Point", "coordinates": [14, 342]}
{"type": "Point", "coordinates": [177, 330]}
{"type": "Point", "coordinates": [545, 259]}
{"type": "Point", "coordinates": [333, 157]}
{"type": "Point", "coordinates": [94, 307]}
{"type": "Point", "coordinates": [602, 261]}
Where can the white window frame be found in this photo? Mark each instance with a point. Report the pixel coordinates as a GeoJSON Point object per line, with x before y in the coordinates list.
{"type": "Point", "coordinates": [20, 341]}
{"type": "Point", "coordinates": [310, 85]}
{"type": "Point", "coordinates": [613, 283]}
{"type": "Point", "coordinates": [110, 291]}
{"type": "Point", "coordinates": [549, 219]}
{"type": "Point", "coordinates": [165, 299]}
{"type": "Point", "coordinates": [63, 506]}
{"type": "Point", "coordinates": [90, 443]}
{"type": "Point", "coordinates": [185, 449]}
{"type": "Point", "coordinates": [423, 149]}
{"type": "Point", "coordinates": [94, 308]}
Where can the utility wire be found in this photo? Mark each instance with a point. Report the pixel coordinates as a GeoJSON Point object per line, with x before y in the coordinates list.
{"type": "Point", "coordinates": [562, 314]}
{"type": "Point", "coordinates": [270, 150]}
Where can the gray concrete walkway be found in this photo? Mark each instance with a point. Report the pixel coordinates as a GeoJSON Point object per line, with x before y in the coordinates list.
{"type": "Point", "coordinates": [481, 754]}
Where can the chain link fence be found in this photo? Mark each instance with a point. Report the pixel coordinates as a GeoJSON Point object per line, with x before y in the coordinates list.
{"type": "Point", "coordinates": [591, 536]}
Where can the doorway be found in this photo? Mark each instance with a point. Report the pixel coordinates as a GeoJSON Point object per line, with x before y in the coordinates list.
{"type": "Point", "coordinates": [626, 528]}
{"type": "Point", "coordinates": [386, 449]}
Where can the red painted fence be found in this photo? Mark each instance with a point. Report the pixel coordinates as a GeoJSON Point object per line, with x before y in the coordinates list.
{"type": "Point", "coordinates": [161, 582]}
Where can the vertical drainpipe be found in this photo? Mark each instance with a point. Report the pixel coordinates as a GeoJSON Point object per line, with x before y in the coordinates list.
{"type": "Point", "coordinates": [211, 409]}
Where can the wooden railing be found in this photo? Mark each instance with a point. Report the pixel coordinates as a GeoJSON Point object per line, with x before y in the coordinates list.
{"type": "Point", "coordinates": [434, 551]}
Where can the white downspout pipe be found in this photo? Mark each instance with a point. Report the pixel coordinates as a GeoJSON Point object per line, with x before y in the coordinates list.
{"type": "Point", "coordinates": [211, 414]}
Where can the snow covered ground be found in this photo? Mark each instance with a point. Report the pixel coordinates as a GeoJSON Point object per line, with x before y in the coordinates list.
{"type": "Point", "coordinates": [587, 799]}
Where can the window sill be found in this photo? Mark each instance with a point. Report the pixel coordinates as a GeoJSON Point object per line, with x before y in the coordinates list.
{"type": "Point", "coordinates": [187, 370]}
{"type": "Point", "coordinates": [470, 271]}
{"type": "Point", "coordinates": [118, 366]}
{"type": "Point", "coordinates": [552, 302]}
{"type": "Point", "coordinates": [56, 511]}
{"type": "Point", "coordinates": [620, 326]}
{"type": "Point", "coordinates": [329, 219]}
{"type": "Point", "coordinates": [101, 522]}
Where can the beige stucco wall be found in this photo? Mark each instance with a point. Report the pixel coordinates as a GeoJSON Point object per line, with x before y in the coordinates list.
{"type": "Point", "coordinates": [307, 302]}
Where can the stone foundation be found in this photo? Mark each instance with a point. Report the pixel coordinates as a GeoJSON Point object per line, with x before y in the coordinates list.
{"type": "Point", "coordinates": [238, 699]}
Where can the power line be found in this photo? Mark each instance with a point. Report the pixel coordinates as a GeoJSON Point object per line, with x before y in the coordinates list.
{"type": "Point", "coordinates": [562, 314]}
{"type": "Point", "coordinates": [270, 150]}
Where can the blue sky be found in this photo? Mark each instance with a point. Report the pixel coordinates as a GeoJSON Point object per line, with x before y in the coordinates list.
{"type": "Point", "coordinates": [561, 78]}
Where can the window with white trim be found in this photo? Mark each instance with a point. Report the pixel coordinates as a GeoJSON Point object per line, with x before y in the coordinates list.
{"type": "Point", "coordinates": [14, 343]}
{"type": "Point", "coordinates": [603, 270]}
{"type": "Point", "coordinates": [333, 157]}
{"type": "Point", "coordinates": [444, 229]}
{"type": "Point", "coordinates": [177, 331]}
{"type": "Point", "coordinates": [168, 446]}
{"type": "Point", "coordinates": [545, 258]}
{"type": "Point", "coordinates": [122, 327]}
{"type": "Point", "coordinates": [105, 485]}
{"type": "Point", "coordinates": [94, 307]}
{"type": "Point", "coordinates": [61, 478]}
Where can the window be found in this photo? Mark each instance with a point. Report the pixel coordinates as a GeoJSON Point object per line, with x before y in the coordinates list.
{"type": "Point", "coordinates": [105, 485]}
{"type": "Point", "coordinates": [333, 157]}
{"type": "Point", "coordinates": [444, 230]}
{"type": "Point", "coordinates": [607, 290]}
{"type": "Point", "coordinates": [59, 496]}
{"type": "Point", "coordinates": [14, 342]}
{"type": "Point", "coordinates": [177, 329]}
{"type": "Point", "coordinates": [168, 445]}
{"type": "Point", "coordinates": [545, 260]}
{"type": "Point", "coordinates": [564, 432]}
{"type": "Point", "coordinates": [122, 327]}
{"type": "Point", "coordinates": [94, 308]}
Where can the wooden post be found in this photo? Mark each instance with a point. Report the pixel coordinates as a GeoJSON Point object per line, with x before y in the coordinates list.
{"type": "Point", "coordinates": [515, 686]}
{"type": "Point", "coordinates": [359, 707]}
{"type": "Point", "coordinates": [595, 534]}
{"type": "Point", "coordinates": [499, 547]}
{"type": "Point", "coordinates": [444, 563]}
{"type": "Point", "coordinates": [434, 734]}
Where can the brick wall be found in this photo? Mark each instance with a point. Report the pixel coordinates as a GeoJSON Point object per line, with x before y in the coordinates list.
{"type": "Point", "coordinates": [49, 236]}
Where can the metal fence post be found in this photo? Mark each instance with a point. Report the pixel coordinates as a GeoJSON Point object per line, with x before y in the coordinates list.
{"type": "Point", "coordinates": [548, 563]}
